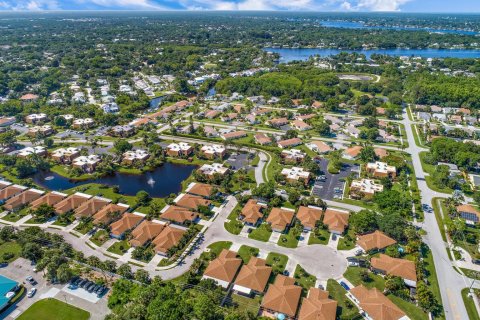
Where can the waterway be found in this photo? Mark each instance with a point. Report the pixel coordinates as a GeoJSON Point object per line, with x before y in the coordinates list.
{"type": "Point", "coordinates": [291, 54]}
{"type": "Point", "coordinates": [160, 182]}
{"type": "Point", "coordinates": [361, 25]}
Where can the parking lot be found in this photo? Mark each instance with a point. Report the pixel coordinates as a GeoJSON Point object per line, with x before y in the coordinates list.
{"type": "Point", "coordinates": [331, 187]}
{"type": "Point", "coordinates": [21, 268]}
{"type": "Point", "coordinates": [238, 160]}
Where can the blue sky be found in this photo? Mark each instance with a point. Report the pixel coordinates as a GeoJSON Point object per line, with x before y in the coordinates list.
{"type": "Point", "coordinates": [469, 6]}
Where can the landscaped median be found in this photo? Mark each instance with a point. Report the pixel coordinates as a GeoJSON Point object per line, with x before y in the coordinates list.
{"type": "Point", "coordinates": [470, 304]}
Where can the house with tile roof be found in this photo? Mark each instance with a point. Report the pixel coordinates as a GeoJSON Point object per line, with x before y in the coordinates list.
{"type": "Point", "coordinates": [252, 212]}
{"type": "Point", "coordinates": [51, 199]}
{"type": "Point", "coordinates": [91, 206]}
{"type": "Point", "coordinates": [191, 202]}
{"type": "Point", "coordinates": [128, 221]}
{"type": "Point", "coordinates": [282, 297]}
{"type": "Point", "coordinates": [317, 306]}
{"type": "Point", "coordinates": [110, 213]}
{"type": "Point", "coordinates": [319, 147]}
{"type": "Point", "coordinates": [168, 238]}
{"type": "Point", "coordinates": [293, 142]}
{"type": "Point", "coordinates": [200, 189]}
{"type": "Point", "coordinates": [336, 220]}
{"type": "Point", "coordinates": [11, 191]}
{"type": "Point", "coordinates": [253, 277]}
{"type": "Point", "coordinates": [234, 135]}
{"type": "Point", "coordinates": [21, 200]}
{"type": "Point", "coordinates": [375, 305]}
{"type": "Point", "coordinates": [262, 139]}
{"type": "Point", "coordinates": [375, 241]}
{"type": "Point", "coordinates": [402, 268]}
{"type": "Point", "coordinates": [178, 215]}
{"type": "Point", "coordinates": [280, 219]}
{"type": "Point", "coordinates": [145, 232]}
{"type": "Point", "coordinates": [224, 268]}
{"type": "Point", "coordinates": [308, 216]}
{"type": "Point", "coordinates": [71, 203]}
{"type": "Point", "coordinates": [352, 153]}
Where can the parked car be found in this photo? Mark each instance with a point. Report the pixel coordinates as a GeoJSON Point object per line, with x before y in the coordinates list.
{"type": "Point", "coordinates": [344, 285]}
{"type": "Point", "coordinates": [31, 280]}
{"type": "Point", "coordinates": [31, 293]}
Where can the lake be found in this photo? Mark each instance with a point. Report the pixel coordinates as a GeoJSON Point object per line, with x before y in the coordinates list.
{"type": "Point", "coordinates": [291, 54]}
{"type": "Point", "coordinates": [361, 25]}
{"type": "Point", "coordinates": [159, 183]}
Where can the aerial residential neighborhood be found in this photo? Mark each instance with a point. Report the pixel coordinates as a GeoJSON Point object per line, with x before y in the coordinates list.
{"type": "Point", "coordinates": [293, 165]}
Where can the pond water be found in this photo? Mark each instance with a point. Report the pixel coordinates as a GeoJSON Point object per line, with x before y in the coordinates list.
{"type": "Point", "coordinates": [361, 25]}
{"type": "Point", "coordinates": [160, 182]}
{"type": "Point", "coordinates": [291, 54]}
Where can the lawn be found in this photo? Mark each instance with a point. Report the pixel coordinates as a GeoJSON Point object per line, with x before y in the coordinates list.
{"type": "Point", "coordinates": [246, 252]}
{"type": "Point", "coordinates": [262, 233]}
{"type": "Point", "coordinates": [245, 303]}
{"type": "Point", "coordinates": [412, 311]}
{"type": "Point", "coordinates": [217, 247]}
{"type": "Point", "coordinates": [52, 309]}
{"type": "Point", "coordinates": [84, 227]}
{"type": "Point", "coordinates": [345, 308]}
{"type": "Point", "coordinates": [347, 242]}
{"type": "Point", "coordinates": [119, 247]}
{"type": "Point", "coordinates": [320, 236]}
{"type": "Point", "coordinates": [303, 278]}
{"type": "Point", "coordinates": [100, 237]}
{"type": "Point", "coordinates": [277, 261]}
{"type": "Point", "coordinates": [233, 226]}
{"type": "Point", "coordinates": [289, 240]}
{"type": "Point", "coordinates": [470, 305]}
{"type": "Point", "coordinates": [431, 274]}
{"type": "Point", "coordinates": [353, 274]}
{"type": "Point", "coordinates": [9, 251]}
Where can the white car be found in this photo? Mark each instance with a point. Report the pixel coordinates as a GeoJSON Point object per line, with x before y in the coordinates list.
{"type": "Point", "coordinates": [31, 293]}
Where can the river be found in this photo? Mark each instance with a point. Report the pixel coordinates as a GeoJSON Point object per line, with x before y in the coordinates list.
{"type": "Point", "coordinates": [291, 54]}
{"type": "Point", "coordinates": [361, 25]}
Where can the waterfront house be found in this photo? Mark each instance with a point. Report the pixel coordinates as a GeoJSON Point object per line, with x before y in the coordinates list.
{"type": "Point", "coordinates": [10, 191]}
{"type": "Point", "coordinates": [91, 206]}
{"type": "Point", "coordinates": [86, 163]}
{"type": "Point", "coordinates": [21, 200]}
{"type": "Point", "coordinates": [200, 189]}
{"type": "Point", "coordinates": [190, 201]}
{"type": "Point", "coordinates": [178, 215]}
{"type": "Point", "coordinates": [181, 149]}
{"type": "Point", "coordinates": [211, 170]}
{"type": "Point", "coordinates": [71, 203]}
{"type": "Point", "coordinates": [109, 213]}
{"type": "Point", "coordinates": [51, 199]}
{"type": "Point", "coordinates": [65, 155]}
{"type": "Point", "coordinates": [135, 156]}
{"type": "Point", "coordinates": [213, 151]}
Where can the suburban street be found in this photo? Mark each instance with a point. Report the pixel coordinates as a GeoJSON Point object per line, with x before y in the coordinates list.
{"type": "Point", "coordinates": [451, 283]}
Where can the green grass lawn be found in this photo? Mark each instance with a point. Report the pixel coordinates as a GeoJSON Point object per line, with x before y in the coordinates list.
{"type": "Point", "coordinates": [412, 311]}
{"type": "Point", "coordinates": [345, 308]}
{"type": "Point", "coordinates": [245, 303]}
{"type": "Point", "coordinates": [277, 261]}
{"type": "Point", "coordinates": [9, 251]}
{"type": "Point", "coordinates": [470, 305]}
{"type": "Point", "coordinates": [289, 240]}
{"type": "Point", "coordinates": [217, 247]}
{"type": "Point", "coordinates": [52, 309]}
{"type": "Point", "coordinates": [303, 278]}
{"type": "Point", "coordinates": [471, 273]}
{"type": "Point", "coordinates": [246, 252]}
{"type": "Point", "coordinates": [262, 233]}
{"type": "Point", "coordinates": [233, 226]}
{"type": "Point", "coordinates": [347, 244]}
{"type": "Point", "coordinates": [353, 274]}
{"type": "Point", "coordinates": [100, 237]}
{"type": "Point", "coordinates": [119, 247]}
{"type": "Point", "coordinates": [432, 275]}
{"type": "Point", "coordinates": [319, 237]}
{"type": "Point", "coordinates": [84, 227]}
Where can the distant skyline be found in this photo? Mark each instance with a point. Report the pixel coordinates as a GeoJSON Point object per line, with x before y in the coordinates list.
{"type": "Point", "coordinates": [441, 6]}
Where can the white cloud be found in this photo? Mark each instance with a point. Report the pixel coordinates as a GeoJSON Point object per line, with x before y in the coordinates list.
{"type": "Point", "coordinates": [380, 5]}
{"type": "Point", "coordinates": [251, 4]}
{"type": "Point", "coordinates": [124, 4]}
{"type": "Point", "coordinates": [30, 5]}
